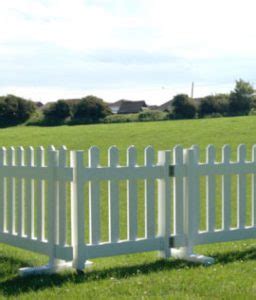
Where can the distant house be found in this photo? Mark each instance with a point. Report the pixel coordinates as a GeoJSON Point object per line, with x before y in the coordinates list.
{"type": "Point", "coordinates": [127, 107]}
{"type": "Point", "coordinates": [167, 106]}
{"type": "Point", "coordinates": [114, 107]}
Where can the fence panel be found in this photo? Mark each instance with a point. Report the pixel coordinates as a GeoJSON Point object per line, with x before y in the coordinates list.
{"type": "Point", "coordinates": [192, 171]}
{"type": "Point", "coordinates": [94, 173]}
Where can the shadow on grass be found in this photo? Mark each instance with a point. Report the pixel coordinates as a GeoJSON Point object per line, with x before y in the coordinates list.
{"type": "Point", "coordinates": [18, 285]}
{"type": "Point", "coordinates": [9, 265]}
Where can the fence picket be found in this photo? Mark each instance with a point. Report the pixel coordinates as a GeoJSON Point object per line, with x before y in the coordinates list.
{"type": "Point", "coordinates": [2, 192]}
{"type": "Point", "coordinates": [94, 199]}
{"type": "Point", "coordinates": [77, 209]}
{"type": "Point", "coordinates": [30, 196]}
{"type": "Point", "coordinates": [52, 204]}
{"type": "Point", "coordinates": [113, 197]}
{"type": "Point", "coordinates": [226, 189]}
{"type": "Point", "coordinates": [178, 192]}
{"type": "Point", "coordinates": [132, 209]}
{"type": "Point", "coordinates": [20, 195]}
{"type": "Point", "coordinates": [11, 192]}
{"type": "Point", "coordinates": [192, 196]}
{"type": "Point", "coordinates": [164, 199]}
{"type": "Point", "coordinates": [40, 186]}
{"type": "Point", "coordinates": [149, 196]}
{"type": "Point", "coordinates": [62, 213]}
{"type": "Point", "coordinates": [241, 189]}
{"type": "Point", "coordinates": [210, 191]}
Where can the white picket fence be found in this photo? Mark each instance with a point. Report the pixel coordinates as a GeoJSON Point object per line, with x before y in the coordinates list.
{"type": "Point", "coordinates": [51, 203]}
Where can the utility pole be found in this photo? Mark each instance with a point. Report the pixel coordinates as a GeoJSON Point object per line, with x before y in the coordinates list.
{"type": "Point", "coordinates": [192, 90]}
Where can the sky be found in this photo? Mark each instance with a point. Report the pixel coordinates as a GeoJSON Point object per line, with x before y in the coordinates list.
{"type": "Point", "coordinates": [125, 49]}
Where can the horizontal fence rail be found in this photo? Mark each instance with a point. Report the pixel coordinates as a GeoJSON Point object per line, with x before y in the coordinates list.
{"type": "Point", "coordinates": [55, 203]}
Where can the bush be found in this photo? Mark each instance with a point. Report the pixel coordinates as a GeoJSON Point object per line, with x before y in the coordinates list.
{"type": "Point", "coordinates": [210, 105]}
{"type": "Point", "coordinates": [152, 115]}
{"type": "Point", "coordinates": [124, 118]}
{"type": "Point", "coordinates": [213, 115]}
{"type": "Point", "coordinates": [90, 110]}
{"type": "Point", "coordinates": [183, 107]}
{"type": "Point", "coordinates": [59, 110]}
{"type": "Point", "coordinates": [15, 110]}
{"type": "Point", "coordinates": [252, 112]}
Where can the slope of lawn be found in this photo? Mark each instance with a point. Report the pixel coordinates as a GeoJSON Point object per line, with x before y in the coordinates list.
{"type": "Point", "coordinates": [139, 276]}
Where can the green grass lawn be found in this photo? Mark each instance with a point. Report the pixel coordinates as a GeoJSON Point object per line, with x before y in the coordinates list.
{"type": "Point", "coordinates": [139, 276]}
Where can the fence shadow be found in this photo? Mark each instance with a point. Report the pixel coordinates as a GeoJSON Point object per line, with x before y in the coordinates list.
{"type": "Point", "coordinates": [232, 256]}
{"type": "Point", "coordinates": [18, 285]}
{"type": "Point", "coordinates": [9, 265]}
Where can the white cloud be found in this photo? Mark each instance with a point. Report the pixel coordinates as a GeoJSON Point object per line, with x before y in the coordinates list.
{"type": "Point", "coordinates": [132, 43]}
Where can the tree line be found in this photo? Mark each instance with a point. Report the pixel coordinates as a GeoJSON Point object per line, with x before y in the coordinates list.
{"type": "Point", "coordinates": [241, 101]}
{"type": "Point", "coordinates": [16, 110]}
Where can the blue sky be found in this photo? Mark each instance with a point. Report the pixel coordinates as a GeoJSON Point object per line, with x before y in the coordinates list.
{"type": "Point", "coordinates": [133, 49]}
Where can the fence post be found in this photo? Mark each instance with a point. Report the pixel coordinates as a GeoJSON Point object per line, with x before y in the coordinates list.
{"type": "Point", "coordinates": [164, 198]}
{"type": "Point", "coordinates": [191, 209]}
{"type": "Point", "coordinates": [77, 212]}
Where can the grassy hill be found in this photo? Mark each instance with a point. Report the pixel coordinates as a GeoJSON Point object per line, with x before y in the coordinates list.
{"type": "Point", "coordinates": [139, 276]}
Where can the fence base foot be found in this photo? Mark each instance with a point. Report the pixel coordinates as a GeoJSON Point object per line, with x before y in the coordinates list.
{"type": "Point", "coordinates": [49, 269]}
{"type": "Point", "coordinates": [196, 258]}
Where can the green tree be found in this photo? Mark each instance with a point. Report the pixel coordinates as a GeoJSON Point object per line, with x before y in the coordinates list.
{"type": "Point", "coordinates": [91, 109]}
{"type": "Point", "coordinates": [183, 107]}
{"type": "Point", "coordinates": [15, 110]}
{"type": "Point", "coordinates": [214, 104]}
{"type": "Point", "coordinates": [59, 110]}
{"type": "Point", "coordinates": [241, 98]}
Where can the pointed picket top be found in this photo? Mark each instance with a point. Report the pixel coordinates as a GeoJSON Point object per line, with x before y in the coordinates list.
{"type": "Point", "coordinates": [113, 156]}
{"type": "Point", "coordinates": [131, 156]}
{"type": "Point", "coordinates": [149, 156]}
{"type": "Point", "coordinates": [210, 154]}
{"type": "Point", "coordinates": [63, 156]}
{"type": "Point", "coordinates": [11, 156]}
{"type": "Point", "coordinates": [20, 156]}
{"type": "Point", "coordinates": [63, 148]}
{"type": "Point", "coordinates": [178, 154]}
{"type": "Point", "coordinates": [93, 157]}
{"type": "Point", "coordinates": [40, 159]}
{"type": "Point", "coordinates": [30, 156]}
{"type": "Point", "coordinates": [226, 154]}
{"type": "Point", "coordinates": [2, 156]}
{"type": "Point", "coordinates": [196, 152]}
{"type": "Point", "coordinates": [241, 152]}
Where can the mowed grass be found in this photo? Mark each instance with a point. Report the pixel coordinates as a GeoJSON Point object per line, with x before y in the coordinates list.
{"type": "Point", "coordinates": [139, 276]}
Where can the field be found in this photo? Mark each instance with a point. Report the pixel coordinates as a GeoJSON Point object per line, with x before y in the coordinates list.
{"type": "Point", "coordinates": [140, 276]}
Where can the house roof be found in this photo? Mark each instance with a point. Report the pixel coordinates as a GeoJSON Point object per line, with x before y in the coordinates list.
{"type": "Point", "coordinates": [130, 107]}
{"type": "Point", "coordinates": [117, 103]}
{"type": "Point", "coordinates": [167, 106]}
{"type": "Point", "coordinates": [153, 107]}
